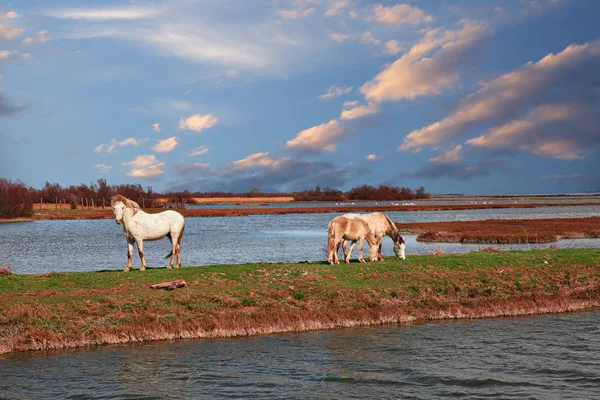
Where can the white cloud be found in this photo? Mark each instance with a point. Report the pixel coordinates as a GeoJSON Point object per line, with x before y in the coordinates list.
{"type": "Point", "coordinates": [115, 144]}
{"type": "Point", "coordinates": [571, 71]}
{"type": "Point", "coordinates": [368, 38]}
{"type": "Point", "coordinates": [39, 38]}
{"type": "Point", "coordinates": [419, 73]}
{"type": "Point", "coordinates": [450, 156]}
{"type": "Point", "coordinates": [336, 7]}
{"type": "Point", "coordinates": [373, 157]}
{"type": "Point", "coordinates": [167, 145]}
{"type": "Point", "coordinates": [398, 15]}
{"type": "Point", "coordinates": [255, 160]}
{"type": "Point", "coordinates": [103, 168]}
{"type": "Point", "coordinates": [335, 91]}
{"type": "Point", "coordinates": [13, 55]}
{"type": "Point", "coordinates": [359, 111]}
{"type": "Point", "coordinates": [146, 166]}
{"type": "Point", "coordinates": [297, 13]}
{"type": "Point", "coordinates": [198, 151]}
{"type": "Point", "coordinates": [198, 122]}
{"type": "Point", "coordinates": [105, 13]}
{"type": "Point", "coordinates": [319, 138]}
{"type": "Point", "coordinates": [156, 127]}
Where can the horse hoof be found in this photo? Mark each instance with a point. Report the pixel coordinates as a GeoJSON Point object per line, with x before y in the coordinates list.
{"type": "Point", "coordinates": [126, 269]}
{"type": "Point", "coordinates": [143, 268]}
{"type": "Point", "coordinates": [169, 266]}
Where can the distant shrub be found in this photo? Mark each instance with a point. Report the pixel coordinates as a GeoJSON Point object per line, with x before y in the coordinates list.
{"type": "Point", "coordinates": [15, 200]}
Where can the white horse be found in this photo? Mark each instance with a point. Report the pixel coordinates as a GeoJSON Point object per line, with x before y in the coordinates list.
{"type": "Point", "coordinates": [381, 225]}
{"type": "Point", "coordinates": [139, 226]}
{"type": "Point", "coordinates": [341, 229]}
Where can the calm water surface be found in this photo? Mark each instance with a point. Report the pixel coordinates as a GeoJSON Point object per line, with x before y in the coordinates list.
{"type": "Point", "coordinates": [548, 357]}
{"type": "Point", "coordinates": [87, 245]}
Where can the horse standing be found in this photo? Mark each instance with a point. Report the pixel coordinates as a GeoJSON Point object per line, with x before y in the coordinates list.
{"type": "Point", "coordinates": [139, 226]}
{"type": "Point", "coordinates": [341, 229]}
{"type": "Point", "coordinates": [381, 225]}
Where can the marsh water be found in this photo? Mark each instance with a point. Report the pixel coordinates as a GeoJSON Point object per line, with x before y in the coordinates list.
{"type": "Point", "coordinates": [88, 245]}
{"type": "Point", "coordinates": [546, 357]}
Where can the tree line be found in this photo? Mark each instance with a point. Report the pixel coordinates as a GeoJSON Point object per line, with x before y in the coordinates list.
{"type": "Point", "coordinates": [17, 199]}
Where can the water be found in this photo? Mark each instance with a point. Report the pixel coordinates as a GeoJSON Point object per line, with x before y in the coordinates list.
{"type": "Point", "coordinates": [88, 245]}
{"type": "Point", "coordinates": [548, 357]}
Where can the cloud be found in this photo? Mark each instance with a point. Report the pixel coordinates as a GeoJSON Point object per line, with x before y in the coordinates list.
{"type": "Point", "coordinates": [392, 47]}
{"type": "Point", "coordinates": [198, 122]}
{"type": "Point", "coordinates": [430, 66]}
{"type": "Point", "coordinates": [198, 151]}
{"type": "Point", "coordinates": [335, 91]}
{"type": "Point", "coordinates": [105, 13]}
{"type": "Point", "coordinates": [156, 127]}
{"type": "Point", "coordinates": [373, 157]}
{"type": "Point", "coordinates": [103, 168]}
{"type": "Point", "coordinates": [8, 107]}
{"type": "Point", "coordinates": [359, 111]}
{"type": "Point", "coordinates": [398, 15]}
{"type": "Point", "coordinates": [297, 13]}
{"type": "Point", "coordinates": [531, 133]}
{"type": "Point", "coordinates": [336, 7]}
{"type": "Point", "coordinates": [14, 55]}
{"type": "Point", "coordinates": [192, 168]}
{"type": "Point", "coordinates": [450, 156]}
{"type": "Point", "coordinates": [460, 170]}
{"type": "Point", "coordinates": [569, 177]}
{"type": "Point", "coordinates": [257, 160]}
{"type": "Point", "coordinates": [7, 30]}
{"type": "Point", "coordinates": [340, 37]}
{"type": "Point", "coordinates": [39, 38]}
{"type": "Point", "coordinates": [114, 145]}
{"type": "Point", "coordinates": [368, 38]}
{"type": "Point", "coordinates": [567, 76]}
{"type": "Point", "coordinates": [167, 145]}
{"type": "Point", "coordinates": [146, 166]}
{"type": "Point", "coordinates": [319, 138]}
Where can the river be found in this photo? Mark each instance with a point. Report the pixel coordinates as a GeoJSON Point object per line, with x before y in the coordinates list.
{"type": "Point", "coordinates": [546, 357]}
{"type": "Point", "coordinates": [91, 245]}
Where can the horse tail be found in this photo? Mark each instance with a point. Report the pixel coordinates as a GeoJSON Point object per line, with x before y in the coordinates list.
{"type": "Point", "coordinates": [178, 241]}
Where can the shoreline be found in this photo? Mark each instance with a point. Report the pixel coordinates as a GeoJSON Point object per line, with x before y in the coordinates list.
{"type": "Point", "coordinates": [106, 213]}
{"type": "Point", "coordinates": [62, 310]}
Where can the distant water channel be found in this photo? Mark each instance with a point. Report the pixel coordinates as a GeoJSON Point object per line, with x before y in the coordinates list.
{"type": "Point", "coordinates": [547, 357]}
{"type": "Point", "coordinates": [88, 245]}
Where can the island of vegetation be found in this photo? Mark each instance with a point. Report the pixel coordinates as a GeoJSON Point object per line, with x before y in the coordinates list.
{"type": "Point", "coordinates": [59, 310]}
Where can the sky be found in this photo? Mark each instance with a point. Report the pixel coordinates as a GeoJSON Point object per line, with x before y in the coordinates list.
{"type": "Point", "coordinates": [468, 96]}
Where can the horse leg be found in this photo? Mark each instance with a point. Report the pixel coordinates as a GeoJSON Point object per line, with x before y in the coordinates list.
{"type": "Point", "coordinates": [129, 254]}
{"type": "Point", "coordinates": [344, 245]}
{"type": "Point", "coordinates": [379, 253]}
{"type": "Point", "coordinates": [360, 251]}
{"type": "Point", "coordinates": [173, 242]}
{"type": "Point", "coordinates": [179, 248]}
{"type": "Point", "coordinates": [140, 244]}
{"type": "Point", "coordinates": [347, 257]}
{"type": "Point", "coordinates": [331, 250]}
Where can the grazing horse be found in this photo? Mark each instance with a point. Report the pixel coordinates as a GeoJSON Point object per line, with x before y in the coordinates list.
{"type": "Point", "coordinates": [139, 226]}
{"type": "Point", "coordinates": [381, 225]}
{"type": "Point", "coordinates": [341, 229]}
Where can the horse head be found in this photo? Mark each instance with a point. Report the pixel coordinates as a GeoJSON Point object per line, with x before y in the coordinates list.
{"type": "Point", "coordinates": [120, 204]}
{"type": "Point", "coordinates": [399, 246]}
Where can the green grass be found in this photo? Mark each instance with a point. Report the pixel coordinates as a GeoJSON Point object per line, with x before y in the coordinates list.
{"type": "Point", "coordinates": [113, 306]}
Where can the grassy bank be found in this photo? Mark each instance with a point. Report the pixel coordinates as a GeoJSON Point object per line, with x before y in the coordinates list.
{"type": "Point", "coordinates": [77, 309]}
{"type": "Point", "coordinates": [499, 231]}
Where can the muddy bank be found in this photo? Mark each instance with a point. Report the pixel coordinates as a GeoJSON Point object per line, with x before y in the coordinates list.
{"type": "Point", "coordinates": [494, 231]}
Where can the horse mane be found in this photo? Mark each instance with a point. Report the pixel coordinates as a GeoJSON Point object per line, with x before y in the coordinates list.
{"type": "Point", "coordinates": [128, 203]}
{"type": "Point", "coordinates": [393, 225]}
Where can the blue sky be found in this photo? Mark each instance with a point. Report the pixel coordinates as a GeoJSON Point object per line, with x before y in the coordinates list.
{"type": "Point", "coordinates": [478, 97]}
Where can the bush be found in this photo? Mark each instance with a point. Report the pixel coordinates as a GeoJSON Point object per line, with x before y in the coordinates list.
{"type": "Point", "coordinates": [15, 200]}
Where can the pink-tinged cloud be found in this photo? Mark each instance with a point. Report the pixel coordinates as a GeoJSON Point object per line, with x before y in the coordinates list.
{"type": "Point", "coordinates": [297, 13]}
{"type": "Point", "coordinates": [431, 65]}
{"type": "Point", "coordinates": [198, 123]}
{"type": "Point", "coordinates": [568, 74]}
{"type": "Point", "coordinates": [398, 15]}
{"type": "Point", "coordinates": [359, 112]}
{"type": "Point", "coordinates": [103, 168]}
{"type": "Point", "coordinates": [319, 138]}
{"type": "Point", "coordinates": [450, 156]}
{"type": "Point", "coordinates": [336, 7]}
{"type": "Point", "coordinates": [167, 145]}
{"type": "Point", "coordinates": [146, 166]}
{"type": "Point", "coordinates": [198, 151]}
{"type": "Point", "coordinates": [373, 157]}
{"type": "Point", "coordinates": [335, 91]}
{"type": "Point", "coordinates": [40, 38]}
{"type": "Point", "coordinates": [115, 144]}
